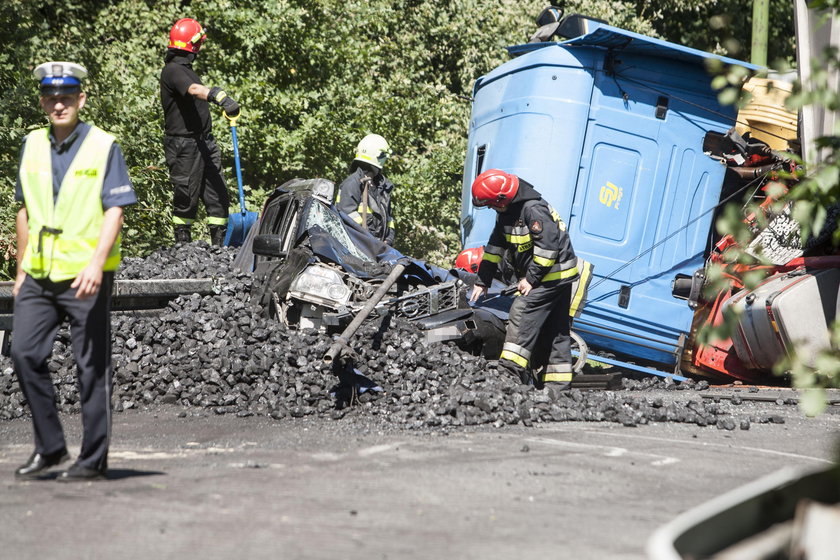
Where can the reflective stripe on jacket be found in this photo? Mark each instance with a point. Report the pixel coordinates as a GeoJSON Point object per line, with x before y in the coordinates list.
{"type": "Point", "coordinates": [64, 233]}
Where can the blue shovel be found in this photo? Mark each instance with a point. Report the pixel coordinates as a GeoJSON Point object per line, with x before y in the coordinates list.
{"type": "Point", "coordinates": [238, 224]}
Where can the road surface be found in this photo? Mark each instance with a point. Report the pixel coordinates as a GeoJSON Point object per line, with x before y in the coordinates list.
{"type": "Point", "coordinates": [194, 485]}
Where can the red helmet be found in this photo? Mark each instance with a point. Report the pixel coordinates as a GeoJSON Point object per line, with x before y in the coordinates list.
{"type": "Point", "coordinates": [494, 188]}
{"type": "Point", "coordinates": [187, 35]}
{"type": "Point", "coordinates": [469, 259]}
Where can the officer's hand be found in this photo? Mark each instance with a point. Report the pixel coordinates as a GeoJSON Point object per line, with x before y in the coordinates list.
{"type": "Point", "coordinates": [87, 282]}
{"type": "Point", "coordinates": [477, 292]}
{"type": "Point", "coordinates": [524, 287]}
{"type": "Point", "coordinates": [18, 283]}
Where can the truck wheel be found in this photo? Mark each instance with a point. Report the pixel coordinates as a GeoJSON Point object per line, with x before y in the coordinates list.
{"type": "Point", "coordinates": [583, 351]}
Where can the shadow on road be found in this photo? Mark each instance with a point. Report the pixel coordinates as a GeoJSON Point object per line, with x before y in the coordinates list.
{"type": "Point", "coordinates": [113, 474]}
{"type": "Point", "coordinates": [118, 474]}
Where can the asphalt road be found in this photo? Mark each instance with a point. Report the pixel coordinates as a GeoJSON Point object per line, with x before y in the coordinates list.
{"type": "Point", "coordinates": [207, 486]}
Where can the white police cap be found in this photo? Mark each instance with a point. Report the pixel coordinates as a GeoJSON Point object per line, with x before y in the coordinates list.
{"type": "Point", "coordinates": [60, 77]}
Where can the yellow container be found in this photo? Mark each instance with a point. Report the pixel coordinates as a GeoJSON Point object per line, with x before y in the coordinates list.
{"type": "Point", "coordinates": [766, 117]}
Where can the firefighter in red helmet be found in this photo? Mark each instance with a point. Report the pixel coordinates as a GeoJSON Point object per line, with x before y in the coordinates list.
{"type": "Point", "coordinates": [469, 259]}
{"type": "Point", "coordinates": [193, 158]}
{"type": "Point", "coordinates": [541, 254]}
{"type": "Point", "coordinates": [187, 35]}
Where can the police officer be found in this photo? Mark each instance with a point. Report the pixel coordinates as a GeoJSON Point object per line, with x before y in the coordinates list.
{"type": "Point", "coordinates": [365, 195]}
{"type": "Point", "coordinates": [73, 183]}
{"type": "Point", "coordinates": [545, 264]}
{"type": "Point", "coordinates": [193, 158]}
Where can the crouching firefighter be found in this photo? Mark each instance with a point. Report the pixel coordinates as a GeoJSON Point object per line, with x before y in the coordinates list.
{"type": "Point", "coordinates": [545, 265]}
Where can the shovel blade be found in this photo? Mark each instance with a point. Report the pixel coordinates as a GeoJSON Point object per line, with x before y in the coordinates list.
{"type": "Point", "coordinates": [238, 227]}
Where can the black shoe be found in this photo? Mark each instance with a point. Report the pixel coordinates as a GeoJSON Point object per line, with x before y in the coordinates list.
{"type": "Point", "coordinates": [38, 463]}
{"type": "Point", "coordinates": [217, 235]}
{"type": "Point", "coordinates": [519, 374]}
{"type": "Point", "coordinates": [557, 388]}
{"type": "Point", "coordinates": [78, 473]}
{"type": "Point", "coordinates": [183, 234]}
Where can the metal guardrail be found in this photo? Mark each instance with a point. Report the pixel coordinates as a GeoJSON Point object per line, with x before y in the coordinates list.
{"type": "Point", "coordinates": [128, 295]}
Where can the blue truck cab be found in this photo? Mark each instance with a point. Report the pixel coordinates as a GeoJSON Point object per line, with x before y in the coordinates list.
{"type": "Point", "coordinates": [609, 127]}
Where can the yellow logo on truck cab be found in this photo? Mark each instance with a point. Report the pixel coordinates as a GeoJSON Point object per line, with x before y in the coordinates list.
{"type": "Point", "coordinates": [610, 194]}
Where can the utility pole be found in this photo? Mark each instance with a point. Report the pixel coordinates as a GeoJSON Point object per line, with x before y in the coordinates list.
{"type": "Point", "coordinates": [760, 29]}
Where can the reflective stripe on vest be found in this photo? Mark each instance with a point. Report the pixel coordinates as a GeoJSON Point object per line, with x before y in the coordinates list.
{"type": "Point", "coordinates": [63, 234]}
{"type": "Point", "coordinates": [580, 287]}
{"type": "Point", "coordinates": [519, 237]}
{"type": "Point", "coordinates": [545, 258]}
{"type": "Point", "coordinates": [493, 254]}
{"type": "Point", "coordinates": [371, 211]}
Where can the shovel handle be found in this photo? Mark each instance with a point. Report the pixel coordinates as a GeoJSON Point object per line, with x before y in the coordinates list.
{"type": "Point", "coordinates": [232, 121]}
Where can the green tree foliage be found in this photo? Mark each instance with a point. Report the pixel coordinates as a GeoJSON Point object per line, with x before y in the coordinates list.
{"type": "Point", "coordinates": [313, 77]}
{"type": "Point", "coordinates": [720, 26]}
{"type": "Point", "coordinates": [817, 191]}
{"type": "Point", "coordinates": [814, 189]}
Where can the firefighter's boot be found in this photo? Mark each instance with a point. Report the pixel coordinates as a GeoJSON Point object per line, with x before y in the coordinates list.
{"type": "Point", "coordinates": [513, 371]}
{"type": "Point", "coordinates": [217, 235]}
{"type": "Point", "coordinates": [557, 376]}
{"type": "Point", "coordinates": [183, 233]}
{"type": "Point", "coordinates": [556, 390]}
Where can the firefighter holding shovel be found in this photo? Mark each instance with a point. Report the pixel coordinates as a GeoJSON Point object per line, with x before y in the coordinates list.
{"type": "Point", "coordinates": [193, 158]}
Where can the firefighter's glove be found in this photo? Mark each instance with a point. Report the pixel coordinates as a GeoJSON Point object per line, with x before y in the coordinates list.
{"type": "Point", "coordinates": [218, 96]}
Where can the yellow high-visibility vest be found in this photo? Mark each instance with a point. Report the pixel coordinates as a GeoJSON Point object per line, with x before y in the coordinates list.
{"type": "Point", "coordinates": [63, 234]}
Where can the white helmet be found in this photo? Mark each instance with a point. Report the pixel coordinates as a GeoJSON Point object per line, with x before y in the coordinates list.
{"type": "Point", "coordinates": [373, 149]}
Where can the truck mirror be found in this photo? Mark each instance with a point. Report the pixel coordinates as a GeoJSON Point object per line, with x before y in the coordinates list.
{"type": "Point", "coordinates": [552, 14]}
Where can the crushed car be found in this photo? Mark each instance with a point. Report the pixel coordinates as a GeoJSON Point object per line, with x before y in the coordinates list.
{"type": "Point", "coordinates": [315, 268]}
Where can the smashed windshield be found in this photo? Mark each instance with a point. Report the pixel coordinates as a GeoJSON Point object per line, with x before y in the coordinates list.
{"type": "Point", "coordinates": [320, 215]}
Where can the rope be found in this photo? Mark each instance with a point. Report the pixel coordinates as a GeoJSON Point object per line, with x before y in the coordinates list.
{"type": "Point", "coordinates": [757, 180]}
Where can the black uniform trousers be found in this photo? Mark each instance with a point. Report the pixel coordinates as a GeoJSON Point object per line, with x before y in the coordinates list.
{"type": "Point", "coordinates": [195, 170]}
{"type": "Point", "coordinates": [538, 333]}
{"type": "Point", "coordinates": [40, 308]}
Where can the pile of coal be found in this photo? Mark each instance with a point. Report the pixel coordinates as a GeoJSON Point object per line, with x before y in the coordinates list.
{"type": "Point", "coordinates": [221, 354]}
{"type": "Point", "coordinates": [190, 260]}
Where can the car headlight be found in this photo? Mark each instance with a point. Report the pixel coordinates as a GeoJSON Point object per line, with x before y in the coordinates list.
{"type": "Point", "coordinates": [322, 285]}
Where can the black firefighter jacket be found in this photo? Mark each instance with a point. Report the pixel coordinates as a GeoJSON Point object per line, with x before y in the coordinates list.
{"type": "Point", "coordinates": [536, 241]}
{"type": "Point", "coordinates": [380, 221]}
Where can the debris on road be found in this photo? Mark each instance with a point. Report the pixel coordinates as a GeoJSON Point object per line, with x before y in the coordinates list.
{"type": "Point", "coordinates": [218, 353]}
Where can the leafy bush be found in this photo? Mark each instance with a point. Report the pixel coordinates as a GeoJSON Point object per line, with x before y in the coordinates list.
{"type": "Point", "coordinates": [312, 76]}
